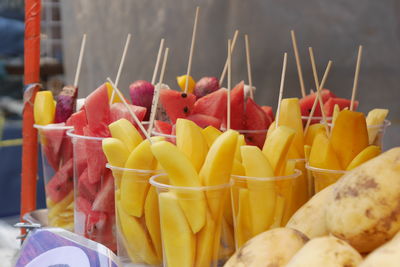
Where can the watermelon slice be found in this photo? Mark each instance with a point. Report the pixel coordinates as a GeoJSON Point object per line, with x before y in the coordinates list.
{"type": "Point", "coordinates": [61, 183]}
{"type": "Point", "coordinates": [96, 160]}
{"type": "Point", "coordinates": [162, 127]}
{"type": "Point", "coordinates": [237, 107]}
{"type": "Point", "coordinates": [176, 104]}
{"type": "Point", "coordinates": [98, 111]}
{"type": "Point", "coordinates": [104, 200]}
{"type": "Point", "coordinates": [51, 141]}
{"type": "Point", "coordinates": [307, 102]}
{"type": "Point", "coordinates": [119, 111]}
{"type": "Point", "coordinates": [78, 121]}
{"type": "Point", "coordinates": [83, 205]}
{"type": "Point", "coordinates": [341, 102]}
{"type": "Point", "coordinates": [269, 112]}
{"type": "Point", "coordinates": [203, 120]}
{"type": "Point", "coordinates": [213, 104]}
{"type": "Point", "coordinates": [66, 150]}
{"type": "Point", "coordinates": [86, 189]}
{"type": "Point", "coordinates": [255, 119]}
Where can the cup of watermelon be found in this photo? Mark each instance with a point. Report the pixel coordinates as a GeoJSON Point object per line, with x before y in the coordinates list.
{"type": "Point", "coordinates": [57, 162]}
{"type": "Point", "coordinates": [137, 218]}
{"type": "Point", "coordinates": [94, 191]}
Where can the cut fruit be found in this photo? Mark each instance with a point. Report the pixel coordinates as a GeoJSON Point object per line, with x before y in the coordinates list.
{"type": "Point", "coordinates": [307, 102]}
{"type": "Point", "coordinates": [98, 111]}
{"type": "Point", "coordinates": [213, 104]}
{"type": "Point", "coordinates": [44, 108]}
{"type": "Point", "coordinates": [312, 131]}
{"type": "Point", "coordinates": [115, 151]}
{"type": "Point", "coordinates": [119, 111]}
{"type": "Point", "coordinates": [181, 80]}
{"type": "Point", "coordinates": [341, 102]}
{"type": "Point", "coordinates": [243, 230]}
{"type": "Point", "coordinates": [269, 112]}
{"type": "Point", "coordinates": [368, 153]}
{"type": "Point", "coordinates": [176, 104]}
{"type": "Point", "coordinates": [240, 142]}
{"type": "Point", "coordinates": [375, 119]}
{"type": "Point", "coordinates": [162, 127]}
{"type": "Point", "coordinates": [78, 121]}
{"type": "Point", "coordinates": [152, 218]}
{"type": "Point", "coordinates": [95, 159]}
{"type": "Point", "coordinates": [142, 93]}
{"type": "Point", "coordinates": [237, 107]}
{"type": "Point", "coordinates": [204, 120]}
{"type": "Point", "coordinates": [211, 133]}
{"type": "Point", "coordinates": [255, 119]}
{"type": "Point", "coordinates": [205, 243]}
{"type": "Point", "coordinates": [104, 200]}
{"type": "Point", "coordinates": [124, 130]}
{"type": "Point", "coordinates": [61, 183]}
{"type": "Point", "coordinates": [85, 188]}
{"type": "Point", "coordinates": [66, 102]}
{"type": "Point", "coordinates": [322, 154]}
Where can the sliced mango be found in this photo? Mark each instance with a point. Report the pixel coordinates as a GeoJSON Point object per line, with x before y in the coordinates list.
{"type": "Point", "coordinates": [178, 240]}
{"type": "Point", "coordinates": [349, 136]}
{"type": "Point", "coordinates": [124, 130]}
{"type": "Point", "coordinates": [61, 205]}
{"type": "Point", "coordinates": [115, 151]}
{"type": "Point", "coordinates": [312, 131]}
{"type": "Point", "coordinates": [181, 172]}
{"type": "Point", "coordinates": [368, 153]}
{"type": "Point", "coordinates": [205, 243]}
{"type": "Point", "coordinates": [323, 155]}
{"type": "Point", "coordinates": [44, 108]}
{"type": "Point", "coordinates": [375, 117]}
{"type": "Point", "coordinates": [290, 167]}
{"type": "Point", "coordinates": [243, 229]}
{"type": "Point", "coordinates": [152, 219]}
{"type": "Point", "coordinates": [238, 168]}
{"type": "Point", "coordinates": [240, 142]}
{"type": "Point", "coordinates": [336, 111]}
{"type": "Point", "coordinates": [181, 80]}
{"type": "Point", "coordinates": [276, 148]}
{"type": "Point", "coordinates": [190, 140]}
{"type": "Point", "coordinates": [110, 90]}
{"type": "Point", "coordinates": [211, 133]}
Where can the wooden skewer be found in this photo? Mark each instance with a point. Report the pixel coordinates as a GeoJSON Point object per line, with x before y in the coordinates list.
{"type": "Point", "coordinates": [192, 48]}
{"type": "Point", "coordinates": [319, 97]}
{"type": "Point", "coordinates": [222, 78]}
{"type": "Point", "coordinates": [78, 67]}
{"type": "Point", "coordinates": [118, 92]}
{"type": "Point", "coordinates": [328, 67]}
{"type": "Point", "coordinates": [228, 120]}
{"type": "Point", "coordinates": [160, 50]}
{"type": "Point", "coordinates": [298, 64]}
{"type": "Point", "coordinates": [157, 93]}
{"type": "Point", "coordinates": [278, 111]}
{"type": "Point", "coordinates": [121, 65]}
{"type": "Point", "coordinates": [355, 84]}
{"type": "Point", "coordinates": [246, 38]}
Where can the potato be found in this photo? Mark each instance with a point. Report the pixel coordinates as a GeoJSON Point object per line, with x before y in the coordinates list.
{"type": "Point", "coordinates": [364, 208]}
{"type": "Point", "coordinates": [327, 251]}
{"type": "Point", "coordinates": [271, 248]}
{"type": "Point", "coordinates": [387, 255]}
{"type": "Point", "coordinates": [310, 218]}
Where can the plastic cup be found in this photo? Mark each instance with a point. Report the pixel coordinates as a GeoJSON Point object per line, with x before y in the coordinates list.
{"type": "Point", "coordinates": [94, 191]}
{"type": "Point", "coordinates": [377, 132]}
{"type": "Point", "coordinates": [314, 119]}
{"type": "Point", "coordinates": [57, 165]}
{"type": "Point", "coordinates": [260, 204]}
{"type": "Point", "coordinates": [324, 177]}
{"type": "Point", "coordinates": [138, 222]}
{"type": "Point", "coordinates": [303, 186]}
{"type": "Point", "coordinates": [191, 222]}
{"type": "Point", "coordinates": [168, 137]}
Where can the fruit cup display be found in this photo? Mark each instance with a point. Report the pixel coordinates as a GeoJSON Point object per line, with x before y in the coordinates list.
{"type": "Point", "coordinates": [57, 162]}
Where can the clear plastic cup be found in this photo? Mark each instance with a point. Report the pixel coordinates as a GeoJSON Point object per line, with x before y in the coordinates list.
{"type": "Point", "coordinates": [138, 221]}
{"type": "Point", "coordinates": [168, 137]}
{"type": "Point", "coordinates": [377, 132]}
{"type": "Point", "coordinates": [260, 204]}
{"type": "Point", "coordinates": [314, 119]}
{"type": "Point", "coordinates": [57, 162]}
{"type": "Point", "coordinates": [324, 177]}
{"type": "Point", "coordinates": [94, 191]}
{"type": "Point", "coordinates": [191, 222]}
{"type": "Point", "coordinates": [302, 187]}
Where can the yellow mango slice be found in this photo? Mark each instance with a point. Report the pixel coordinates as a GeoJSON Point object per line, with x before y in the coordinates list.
{"type": "Point", "coordinates": [210, 133]}
{"type": "Point", "coordinates": [243, 230]}
{"type": "Point", "coordinates": [276, 148]}
{"type": "Point", "coordinates": [240, 142]}
{"type": "Point", "coordinates": [312, 131]}
{"type": "Point", "coordinates": [152, 219]}
{"type": "Point", "coordinates": [138, 242]}
{"type": "Point", "coordinates": [205, 243]}
{"type": "Point", "coordinates": [323, 155]}
{"type": "Point", "coordinates": [375, 117]}
{"type": "Point", "coordinates": [61, 205]}
{"type": "Point", "coordinates": [115, 151]}
{"type": "Point", "coordinates": [290, 166]}
{"type": "Point", "coordinates": [368, 153]}
{"type": "Point", "coordinates": [44, 108]}
{"type": "Point", "coordinates": [279, 212]}
{"type": "Point", "coordinates": [290, 116]}
{"type": "Point", "coordinates": [134, 185]}
{"type": "Point", "coordinates": [181, 172]}
{"type": "Point", "coordinates": [190, 140]}
{"type": "Point", "coordinates": [110, 89]}
{"type": "Point", "coordinates": [307, 151]}
{"type": "Point", "coordinates": [226, 240]}
{"type": "Point", "coordinates": [124, 130]}
{"type": "Point", "coordinates": [178, 240]}
{"type": "Point", "coordinates": [336, 111]}
{"type": "Point", "coordinates": [349, 136]}
{"type": "Point", "coordinates": [262, 194]}
{"type": "Point", "coordinates": [181, 80]}
{"type": "Point", "coordinates": [238, 168]}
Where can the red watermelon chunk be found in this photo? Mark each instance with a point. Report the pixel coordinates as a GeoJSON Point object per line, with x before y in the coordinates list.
{"type": "Point", "coordinates": [86, 189]}
{"type": "Point", "coordinates": [61, 183]}
{"type": "Point", "coordinates": [307, 102]}
{"type": "Point", "coordinates": [104, 200]}
{"type": "Point", "coordinates": [162, 127]}
{"type": "Point", "coordinates": [203, 120]}
{"type": "Point", "coordinates": [98, 110]}
{"type": "Point", "coordinates": [237, 107]}
{"type": "Point", "coordinates": [96, 160]}
{"type": "Point", "coordinates": [78, 121]}
{"type": "Point", "coordinates": [66, 149]}
{"type": "Point", "coordinates": [83, 205]}
{"type": "Point", "coordinates": [119, 111]}
{"type": "Point", "coordinates": [269, 112]}
{"type": "Point", "coordinates": [51, 141]}
{"type": "Point", "coordinates": [213, 104]}
{"type": "Point", "coordinates": [255, 119]}
{"type": "Point", "coordinates": [176, 104]}
{"type": "Point", "coordinates": [341, 102]}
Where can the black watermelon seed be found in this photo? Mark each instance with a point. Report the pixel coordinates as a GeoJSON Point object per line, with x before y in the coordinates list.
{"type": "Point", "coordinates": [184, 95]}
{"type": "Point", "coordinates": [186, 109]}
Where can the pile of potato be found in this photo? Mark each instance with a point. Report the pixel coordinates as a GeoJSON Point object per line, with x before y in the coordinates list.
{"type": "Point", "coordinates": [353, 222]}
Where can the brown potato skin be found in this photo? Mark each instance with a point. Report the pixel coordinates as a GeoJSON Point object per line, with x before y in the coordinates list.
{"type": "Point", "coordinates": [364, 208]}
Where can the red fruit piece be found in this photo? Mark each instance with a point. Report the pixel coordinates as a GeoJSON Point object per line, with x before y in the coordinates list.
{"type": "Point", "coordinates": [61, 183]}
{"type": "Point", "coordinates": [141, 93]}
{"type": "Point", "coordinates": [269, 112]}
{"type": "Point", "coordinates": [307, 102]}
{"type": "Point", "coordinates": [237, 107]}
{"type": "Point", "coordinates": [205, 86]}
{"type": "Point", "coordinates": [256, 119]}
{"type": "Point", "coordinates": [98, 110]}
{"type": "Point", "coordinates": [176, 104]}
{"type": "Point", "coordinates": [104, 200]}
{"type": "Point", "coordinates": [119, 111]}
{"type": "Point", "coordinates": [66, 102]}
{"type": "Point", "coordinates": [95, 158]}
{"type": "Point", "coordinates": [162, 127]}
{"type": "Point", "coordinates": [83, 205]}
{"type": "Point", "coordinates": [78, 121]}
{"type": "Point", "coordinates": [203, 120]}
{"type": "Point", "coordinates": [341, 102]}
{"type": "Point", "coordinates": [213, 104]}
{"type": "Point", "coordinates": [51, 140]}
{"type": "Point", "coordinates": [96, 222]}
{"type": "Point", "coordinates": [85, 188]}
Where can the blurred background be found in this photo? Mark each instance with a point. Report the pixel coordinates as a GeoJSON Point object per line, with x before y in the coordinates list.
{"type": "Point", "coordinates": [333, 28]}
